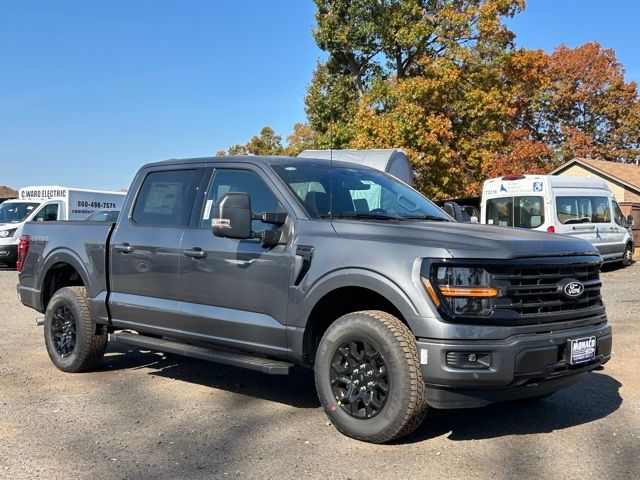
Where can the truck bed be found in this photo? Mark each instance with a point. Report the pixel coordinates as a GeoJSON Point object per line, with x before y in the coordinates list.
{"type": "Point", "coordinates": [78, 244]}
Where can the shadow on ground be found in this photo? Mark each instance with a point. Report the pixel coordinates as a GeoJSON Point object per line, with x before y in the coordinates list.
{"type": "Point", "coordinates": [594, 398]}
{"type": "Point", "coordinates": [297, 389]}
{"type": "Point", "coordinates": [591, 399]}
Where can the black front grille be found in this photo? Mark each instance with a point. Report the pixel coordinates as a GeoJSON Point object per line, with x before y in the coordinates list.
{"type": "Point", "coordinates": [534, 293]}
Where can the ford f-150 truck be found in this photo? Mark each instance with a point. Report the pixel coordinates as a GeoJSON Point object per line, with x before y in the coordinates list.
{"type": "Point", "coordinates": [270, 262]}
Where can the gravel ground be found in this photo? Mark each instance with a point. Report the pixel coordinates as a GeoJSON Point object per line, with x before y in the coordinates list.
{"type": "Point", "coordinates": [145, 415]}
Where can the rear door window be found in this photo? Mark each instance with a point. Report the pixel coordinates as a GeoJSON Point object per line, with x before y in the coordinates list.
{"type": "Point", "coordinates": [521, 211]}
{"type": "Point", "coordinates": [583, 209]}
{"type": "Point", "coordinates": [166, 198]}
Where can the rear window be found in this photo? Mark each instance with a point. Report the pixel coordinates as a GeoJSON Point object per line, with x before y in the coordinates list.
{"type": "Point", "coordinates": [166, 198]}
{"type": "Point", "coordinates": [522, 212]}
{"type": "Point", "coordinates": [572, 210]}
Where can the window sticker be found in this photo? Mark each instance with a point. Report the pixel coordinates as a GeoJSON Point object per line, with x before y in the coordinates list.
{"type": "Point", "coordinates": [207, 210]}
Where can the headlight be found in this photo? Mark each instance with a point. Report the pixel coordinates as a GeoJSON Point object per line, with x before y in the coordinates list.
{"type": "Point", "coordinates": [7, 233]}
{"type": "Point", "coordinates": [465, 290]}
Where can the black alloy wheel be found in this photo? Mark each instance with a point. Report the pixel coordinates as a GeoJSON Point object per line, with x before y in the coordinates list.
{"type": "Point", "coordinates": [359, 379]}
{"type": "Point", "coordinates": [63, 331]}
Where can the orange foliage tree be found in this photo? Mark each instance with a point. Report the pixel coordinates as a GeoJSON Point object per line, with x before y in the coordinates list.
{"type": "Point", "coordinates": [443, 81]}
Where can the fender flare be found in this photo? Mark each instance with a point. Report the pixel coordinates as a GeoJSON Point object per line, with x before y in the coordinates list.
{"type": "Point", "coordinates": [60, 255]}
{"type": "Point", "coordinates": [357, 277]}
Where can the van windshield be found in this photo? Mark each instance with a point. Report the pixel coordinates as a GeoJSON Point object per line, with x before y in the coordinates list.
{"type": "Point", "coordinates": [523, 211]}
{"type": "Point", "coordinates": [571, 210]}
{"type": "Point", "coordinates": [359, 193]}
{"type": "Point", "coordinates": [15, 212]}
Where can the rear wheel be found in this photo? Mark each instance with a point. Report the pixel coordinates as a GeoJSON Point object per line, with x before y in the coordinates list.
{"type": "Point", "coordinates": [73, 341]}
{"type": "Point", "coordinates": [627, 256]}
{"type": "Point", "coordinates": [368, 377]}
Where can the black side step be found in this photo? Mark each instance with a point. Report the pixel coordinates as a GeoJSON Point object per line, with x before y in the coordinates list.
{"type": "Point", "coordinates": [273, 367]}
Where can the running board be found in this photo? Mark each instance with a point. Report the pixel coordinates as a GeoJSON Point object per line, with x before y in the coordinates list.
{"type": "Point", "coordinates": [264, 365]}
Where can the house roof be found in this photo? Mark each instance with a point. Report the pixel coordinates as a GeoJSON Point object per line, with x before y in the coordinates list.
{"type": "Point", "coordinates": [625, 174]}
{"type": "Point", "coordinates": [6, 192]}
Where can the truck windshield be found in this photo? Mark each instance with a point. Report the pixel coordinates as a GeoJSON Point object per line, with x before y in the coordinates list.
{"type": "Point", "coordinates": [15, 212]}
{"type": "Point", "coordinates": [523, 212]}
{"type": "Point", "coordinates": [358, 193]}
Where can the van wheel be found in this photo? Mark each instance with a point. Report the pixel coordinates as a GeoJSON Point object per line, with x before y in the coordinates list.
{"type": "Point", "coordinates": [70, 334]}
{"type": "Point", "coordinates": [368, 377]}
{"type": "Point", "coordinates": [627, 256]}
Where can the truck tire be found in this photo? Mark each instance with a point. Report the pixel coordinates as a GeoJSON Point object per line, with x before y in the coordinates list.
{"type": "Point", "coordinates": [368, 377]}
{"type": "Point", "coordinates": [70, 334]}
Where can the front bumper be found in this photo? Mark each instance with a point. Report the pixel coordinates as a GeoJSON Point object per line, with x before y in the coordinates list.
{"type": "Point", "coordinates": [521, 366]}
{"type": "Point", "coordinates": [8, 254]}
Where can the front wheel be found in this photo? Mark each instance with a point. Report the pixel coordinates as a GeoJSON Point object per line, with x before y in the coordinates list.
{"type": "Point", "coordinates": [70, 335]}
{"type": "Point", "coordinates": [368, 377]}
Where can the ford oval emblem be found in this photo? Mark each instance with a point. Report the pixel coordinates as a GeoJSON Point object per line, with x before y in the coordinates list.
{"type": "Point", "coordinates": [573, 289]}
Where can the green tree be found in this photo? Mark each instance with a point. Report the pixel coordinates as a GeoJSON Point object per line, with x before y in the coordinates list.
{"type": "Point", "coordinates": [367, 41]}
{"type": "Point", "coordinates": [267, 142]}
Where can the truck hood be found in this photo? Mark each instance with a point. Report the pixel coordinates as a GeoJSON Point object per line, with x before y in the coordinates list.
{"type": "Point", "coordinates": [463, 240]}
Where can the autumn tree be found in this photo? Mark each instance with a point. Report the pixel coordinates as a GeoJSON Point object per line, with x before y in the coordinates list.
{"type": "Point", "coordinates": [588, 109]}
{"type": "Point", "coordinates": [442, 80]}
{"type": "Point", "coordinates": [267, 142]}
{"type": "Point", "coordinates": [367, 41]}
{"type": "Point", "coordinates": [302, 138]}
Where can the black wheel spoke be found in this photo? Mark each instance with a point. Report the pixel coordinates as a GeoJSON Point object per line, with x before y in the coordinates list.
{"type": "Point", "coordinates": [359, 378]}
{"type": "Point", "coordinates": [63, 331]}
{"type": "Point", "coordinates": [375, 402]}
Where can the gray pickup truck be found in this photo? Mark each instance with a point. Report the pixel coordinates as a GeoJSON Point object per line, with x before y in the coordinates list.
{"type": "Point", "coordinates": [270, 262]}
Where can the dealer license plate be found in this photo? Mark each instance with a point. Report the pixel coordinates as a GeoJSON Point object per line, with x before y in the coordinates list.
{"type": "Point", "coordinates": [582, 350]}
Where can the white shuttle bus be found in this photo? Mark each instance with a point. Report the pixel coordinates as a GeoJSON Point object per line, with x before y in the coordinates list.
{"type": "Point", "coordinates": [48, 203]}
{"type": "Point", "coordinates": [579, 206]}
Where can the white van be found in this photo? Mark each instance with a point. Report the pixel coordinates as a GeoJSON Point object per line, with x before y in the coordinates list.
{"type": "Point", "coordinates": [580, 206]}
{"type": "Point", "coordinates": [49, 203]}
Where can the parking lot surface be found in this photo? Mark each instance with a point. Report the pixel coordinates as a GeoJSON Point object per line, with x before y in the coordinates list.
{"type": "Point", "coordinates": [146, 415]}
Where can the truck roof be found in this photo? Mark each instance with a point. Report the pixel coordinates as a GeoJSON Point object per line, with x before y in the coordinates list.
{"type": "Point", "coordinates": [258, 160]}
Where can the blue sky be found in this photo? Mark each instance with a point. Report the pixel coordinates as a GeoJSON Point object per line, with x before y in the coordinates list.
{"type": "Point", "coordinates": [89, 91]}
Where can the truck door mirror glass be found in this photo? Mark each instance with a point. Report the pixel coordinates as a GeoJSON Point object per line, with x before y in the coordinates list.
{"type": "Point", "coordinates": [232, 216]}
{"type": "Point", "coordinates": [630, 220]}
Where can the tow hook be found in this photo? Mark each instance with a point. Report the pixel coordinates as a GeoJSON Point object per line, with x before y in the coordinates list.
{"type": "Point", "coordinates": [39, 321]}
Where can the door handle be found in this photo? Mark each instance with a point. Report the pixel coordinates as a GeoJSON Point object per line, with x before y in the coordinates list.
{"type": "Point", "coordinates": [195, 253]}
{"type": "Point", "coordinates": [124, 248]}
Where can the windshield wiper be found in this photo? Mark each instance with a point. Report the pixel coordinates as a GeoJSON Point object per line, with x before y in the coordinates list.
{"type": "Point", "coordinates": [435, 218]}
{"type": "Point", "coordinates": [362, 215]}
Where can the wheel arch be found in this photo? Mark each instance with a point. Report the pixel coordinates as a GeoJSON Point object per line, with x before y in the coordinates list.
{"type": "Point", "coordinates": [346, 291]}
{"type": "Point", "coordinates": [62, 268]}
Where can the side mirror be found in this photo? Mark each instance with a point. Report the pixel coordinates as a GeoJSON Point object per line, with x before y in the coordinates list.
{"type": "Point", "coordinates": [630, 221]}
{"type": "Point", "coordinates": [232, 216]}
